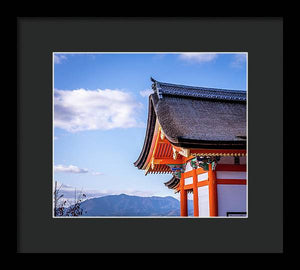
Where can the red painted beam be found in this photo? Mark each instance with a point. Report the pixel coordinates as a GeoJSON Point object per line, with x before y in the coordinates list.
{"type": "Point", "coordinates": [232, 181]}
{"type": "Point", "coordinates": [231, 167]}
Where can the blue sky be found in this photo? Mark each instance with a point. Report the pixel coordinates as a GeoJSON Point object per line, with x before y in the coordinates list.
{"type": "Point", "coordinates": [100, 113]}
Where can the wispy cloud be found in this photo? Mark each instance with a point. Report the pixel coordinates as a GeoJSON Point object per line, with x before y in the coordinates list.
{"type": "Point", "coordinates": [239, 60]}
{"type": "Point", "coordinates": [68, 193]}
{"type": "Point", "coordinates": [59, 58]}
{"type": "Point", "coordinates": [146, 93]}
{"type": "Point", "coordinates": [198, 57]}
{"type": "Point", "coordinates": [69, 169]}
{"type": "Point", "coordinates": [78, 110]}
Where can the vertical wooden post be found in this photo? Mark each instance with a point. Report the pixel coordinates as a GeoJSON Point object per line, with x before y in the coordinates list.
{"type": "Point", "coordinates": [183, 198]}
{"type": "Point", "coordinates": [213, 195]}
{"type": "Point", "coordinates": [195, 193]}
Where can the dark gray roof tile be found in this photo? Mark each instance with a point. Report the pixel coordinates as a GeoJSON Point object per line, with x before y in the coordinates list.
{"type": "Point", "coordinates": [185, 119]}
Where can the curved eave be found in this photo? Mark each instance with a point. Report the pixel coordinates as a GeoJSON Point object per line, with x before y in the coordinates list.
{"type": "Point", "coordinates": [139, 163]}
{"type": "Point", "coordinates": [173, 183]}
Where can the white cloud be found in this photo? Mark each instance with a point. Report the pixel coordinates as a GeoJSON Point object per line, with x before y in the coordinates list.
{"type": "Point", "coordinates": [78, 110]}
{"type": "Point", "coordinates": [69, 169]}
{"type": "Point", "coordinates": [58, 58]}
{"type": "Point", "coordinates": [146, 93]}
{"type": "Point", "coordinates": [239, 60]}
{"type": "Point", "coordinates": [198, 57]}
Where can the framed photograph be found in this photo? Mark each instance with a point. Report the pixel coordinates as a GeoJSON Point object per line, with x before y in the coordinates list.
{"type": "Point", "coordinates": [192, 139]}
{"type": "Point", "coordinates": [133, 130]}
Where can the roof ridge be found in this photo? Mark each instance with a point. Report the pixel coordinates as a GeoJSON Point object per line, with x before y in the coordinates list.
{"type": "Point", "coordinates": [200, 87]}
{"type": "Point", "coordinates": [162, 88]}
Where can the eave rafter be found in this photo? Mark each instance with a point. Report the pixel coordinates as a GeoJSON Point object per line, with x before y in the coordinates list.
{"type": "Point", "coordinates": [161, 153]}
{"type": "Point", "coordinates": [217, 152]}
{"type": "Point", "coordinates": [167, 161]}
{"type": "Point", "coordinates": [159, 156]}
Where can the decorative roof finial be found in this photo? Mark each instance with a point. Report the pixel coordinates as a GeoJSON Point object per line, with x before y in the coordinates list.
{"type": "Point", "coordinates": [152, 79]}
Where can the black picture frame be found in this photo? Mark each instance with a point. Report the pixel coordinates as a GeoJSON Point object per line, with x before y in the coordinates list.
{"type": "Point", "coordinates": [261, 37]}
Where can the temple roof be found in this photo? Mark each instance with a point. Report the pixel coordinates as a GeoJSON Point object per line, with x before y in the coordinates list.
{"type": "Point", "coordinates": [196, 117]}
{"type": "Point", "coordinates": [173, 183]}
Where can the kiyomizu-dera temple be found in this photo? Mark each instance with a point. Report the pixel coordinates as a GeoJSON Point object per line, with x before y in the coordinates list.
{"type": "Point", "coordinates": [198, 135]}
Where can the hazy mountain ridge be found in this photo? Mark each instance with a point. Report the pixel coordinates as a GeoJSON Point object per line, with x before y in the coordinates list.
{"type": "Point", "coordinates": [126, 205]}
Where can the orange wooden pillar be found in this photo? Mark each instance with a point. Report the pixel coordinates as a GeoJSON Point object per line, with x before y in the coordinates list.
{"type": "Point", "coordinates": [195, 193]}
{"type": "Point", "coordinates": [213, 195]}
{"type": "Point", "coordinates": [183, 198]}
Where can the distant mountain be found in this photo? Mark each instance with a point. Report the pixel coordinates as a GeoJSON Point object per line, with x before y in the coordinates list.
{"type": "Point", "coordinates": [125, 205]}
